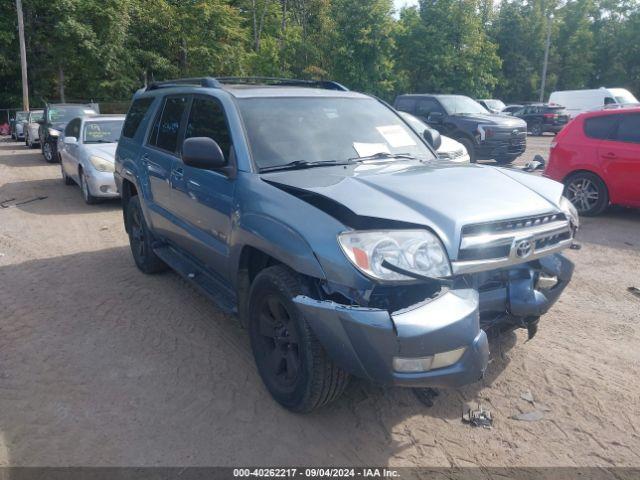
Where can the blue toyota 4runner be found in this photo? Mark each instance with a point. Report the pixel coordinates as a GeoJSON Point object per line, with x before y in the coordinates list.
{"type": "Point", "coordinates": [333, 231]}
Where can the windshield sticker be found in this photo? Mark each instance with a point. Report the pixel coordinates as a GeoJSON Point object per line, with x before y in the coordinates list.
{"type": "Point", "coordinates": [368, 149]}
{"type": "Point", "coordinates": [396, 136]}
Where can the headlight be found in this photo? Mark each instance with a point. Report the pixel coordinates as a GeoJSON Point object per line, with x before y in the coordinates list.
{"type": "Point", "coordinates": [101, 164]}
{"type": "Point", "coordinates": [53, 132]}
{"type": "Point", "coordinates": [417, 251]}
{"type": "Point", "coordinates": [567, 207]}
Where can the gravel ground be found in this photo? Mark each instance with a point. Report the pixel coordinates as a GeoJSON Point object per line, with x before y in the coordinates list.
{"type": "Point", "coordinates": [102, 365]}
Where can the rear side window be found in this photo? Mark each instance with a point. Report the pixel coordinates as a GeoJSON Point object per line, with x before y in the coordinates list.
{"type": "Point", "coordinates": [406, 104]}
{"type": "Point", "coordinates": [73, 129]}
{"type": "Point", "coordinates": [167, 125]}
{"type": "Point", "coordinates": [629, 128]}
{"type": "Point", "coordinates": [207, 119]}
{"type": "Point", "coordinates": [600, 127]}
{"type": "Point", "coordinates": [135, 116]}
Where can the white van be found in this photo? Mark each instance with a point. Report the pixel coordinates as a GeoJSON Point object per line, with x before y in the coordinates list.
{"type": "Point", "coordinates": [578, 101]}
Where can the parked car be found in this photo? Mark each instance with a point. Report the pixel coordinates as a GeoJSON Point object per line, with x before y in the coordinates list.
{"type": "Point", "coordinates": [323, 220]}
{"type": "Point", "coordinates": [54, 120]}
{"type": "Point", "coordinates": [542, 117]}
{"type": "Point", "coordinates": [31, 126]}
{"type": "Point", "coordinates": [87, 155]}
{"type": "Point", "coordinates": [510, 109]}
{"type": "Point", "coordinates": [578, 101]}
{"type": "Point", "coordinates": [17, 132]}
{"type": "Point", "coordinates": [597, 157]}
{"type": "Point", "coordinates": [493, 105]}
{"type": "Point", "coordinates": [449, 149]}
{"type": "Point", "coordinates": [485, 135]}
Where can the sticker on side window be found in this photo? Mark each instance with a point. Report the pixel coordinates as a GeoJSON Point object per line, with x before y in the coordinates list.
{"type": "Point", "coordinates": [396, 136]}
{"type": "Point", "coordinates": [368, 149]}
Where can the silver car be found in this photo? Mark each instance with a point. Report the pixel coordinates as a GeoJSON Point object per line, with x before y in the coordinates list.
{"type": "Point", "coordinates": [87, 153]}
{"type": "Point", "coordinates": [31, 126]}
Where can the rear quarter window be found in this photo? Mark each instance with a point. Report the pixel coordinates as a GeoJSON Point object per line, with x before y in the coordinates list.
{"type": "Point", "coordinates": [135, 115]}
{"type": "Point", "coordinates": [600, 127]}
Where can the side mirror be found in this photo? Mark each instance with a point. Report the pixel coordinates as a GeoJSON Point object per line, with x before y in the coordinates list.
{"type": "Point", "coordinates": [433, 138]}
{"type": "Point", "coordinates": [202, 152]}
{"type": "Point", "coordinates": [70, 140]}
{"type": "Point", "coordinates": [435, 117]}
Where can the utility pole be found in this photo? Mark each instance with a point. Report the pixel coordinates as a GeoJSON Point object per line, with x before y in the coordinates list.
{"type": "Point", "coordinates": [546, 58]}
{"type": "Point", "coordinates": [23, 57]}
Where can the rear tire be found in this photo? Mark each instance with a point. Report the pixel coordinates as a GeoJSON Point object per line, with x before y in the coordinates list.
{"type": "Point", "coordinates": [587, 192]}
{"type": "Point", "coordinates": [536, 129]}
{"type": "Point", "coordinates": [140, 239]}
{"type": "Point", "coordinates": [471, 150]}
{"type": "Point", "coordinates": [291, 361]}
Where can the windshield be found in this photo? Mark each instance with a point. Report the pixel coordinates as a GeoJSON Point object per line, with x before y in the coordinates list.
{"type": "Point", "coordinates": [20, 116]}
{"type": "Point", "coordinates": [66, 114]}
{"type": "Point", "coordinates": [102, 132]}
{"type": "Point", "coordinates": [495, 104]}
{"type": "Point", "coordinates": [454, 104]}
{"type": "Point", "coordinates": [284, 130]}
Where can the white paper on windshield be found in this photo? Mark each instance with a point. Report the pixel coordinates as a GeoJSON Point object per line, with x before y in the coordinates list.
{"type": "Point", "coordinates": [89, 112]}
{"type": "Point", "coordinates": [368, 149]}
{"type": "Point", "coordinates": [396, 136]}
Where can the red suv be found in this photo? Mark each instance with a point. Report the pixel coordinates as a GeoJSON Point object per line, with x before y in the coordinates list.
{"type": "Point", "coordinates": [597, 157]}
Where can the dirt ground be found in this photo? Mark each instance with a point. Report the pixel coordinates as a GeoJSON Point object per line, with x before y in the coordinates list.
{"type": "Point", "coordinates": [102, 365]}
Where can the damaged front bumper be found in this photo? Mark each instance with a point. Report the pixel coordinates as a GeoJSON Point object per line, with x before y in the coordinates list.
{"type": "Point", "coordinates": [365, 341]}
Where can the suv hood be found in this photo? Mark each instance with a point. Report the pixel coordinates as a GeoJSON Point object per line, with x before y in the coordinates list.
{"type": "Point", "coordinates": [441, 195]}
{"type": "Point", "coordinates": [500, 120]}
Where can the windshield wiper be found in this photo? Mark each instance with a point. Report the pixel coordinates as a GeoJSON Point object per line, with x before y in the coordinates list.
{"type": "Point", "coordinates": [300, 164]}
{"type": "Point", "coordinates": [383, 155]}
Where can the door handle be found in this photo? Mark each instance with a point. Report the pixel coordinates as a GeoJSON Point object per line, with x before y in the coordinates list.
{"type": "Point", "coordinates": [145, 159]}
{"type": "Point", "coordinates": [610, 155]}
{"type": "Point", "coordinates": [178, 173]}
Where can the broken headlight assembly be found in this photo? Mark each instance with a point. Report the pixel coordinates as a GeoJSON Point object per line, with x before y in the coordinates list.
{"type": "Point", "coordinates": [570, 211]}
{"type": "Point", "coordinates": [396, 255]}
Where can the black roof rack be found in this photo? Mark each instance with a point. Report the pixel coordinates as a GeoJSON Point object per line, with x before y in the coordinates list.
{"type": "Point", "coordinates": [208, 82]}
{"type": "Point", "coordinates": [211, 82]}
{"type": "Point", "coordinates": [289, 82]}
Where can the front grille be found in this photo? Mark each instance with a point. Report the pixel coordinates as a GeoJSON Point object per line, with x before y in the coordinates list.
{"type": "Point", "coordinates": [511, 225]}
{"type": "Point", "coordinates": [493, 244]}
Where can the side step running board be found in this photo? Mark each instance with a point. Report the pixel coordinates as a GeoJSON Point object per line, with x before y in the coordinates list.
{"type": "Point", "coordinates": [209, 285]}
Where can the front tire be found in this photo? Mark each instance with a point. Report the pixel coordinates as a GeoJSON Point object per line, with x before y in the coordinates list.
{"type": "Point", "coordinates": [291, 361]}
{"type": "Point", "coordinates": [89, 199]}
{"type": "Point", "coordinates": [471, 149]}
{"type": "Point", "coordinates": [140, 239]}
{"type": "Point", "coordinates": [65, 178]}
{"type": "Point", "coordinates": [49, 152]}
{"type": "Point", "coordinates": [505, 160]}
{"type": "Point", "coordinates": [587, 192]}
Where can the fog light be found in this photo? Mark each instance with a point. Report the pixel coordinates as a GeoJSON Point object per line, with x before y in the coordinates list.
{"type": "Point", "coordinates": [445, 359]}
{"type": "Point", "coordinates": [546, 282]}
{"type": "Point", "coordinates": [424, 364]}
{"type": "Point", "coordinates": [412, 365]}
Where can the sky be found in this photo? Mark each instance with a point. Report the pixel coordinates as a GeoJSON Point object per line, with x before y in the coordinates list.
{"type": "Point", "coordinates": [404, 3]}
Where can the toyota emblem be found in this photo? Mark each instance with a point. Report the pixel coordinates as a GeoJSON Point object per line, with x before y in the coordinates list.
{"type": "Point", "coordinates": [524, 248]}
{"type": "Point", "coordinates": [514, 131]}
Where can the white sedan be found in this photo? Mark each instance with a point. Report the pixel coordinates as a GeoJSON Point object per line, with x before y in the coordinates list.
{"type": "Point", "coordinates": [87, 155]}
{"type": "Point", "coordinates": [449, 149]}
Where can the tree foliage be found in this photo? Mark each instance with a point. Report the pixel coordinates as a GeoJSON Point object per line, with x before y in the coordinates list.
{"type": "Point", "coordinates": [106, 49]}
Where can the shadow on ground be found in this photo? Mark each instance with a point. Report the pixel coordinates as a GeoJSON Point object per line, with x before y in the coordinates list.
{"type": "Point", "coordinates": [105, 365]}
